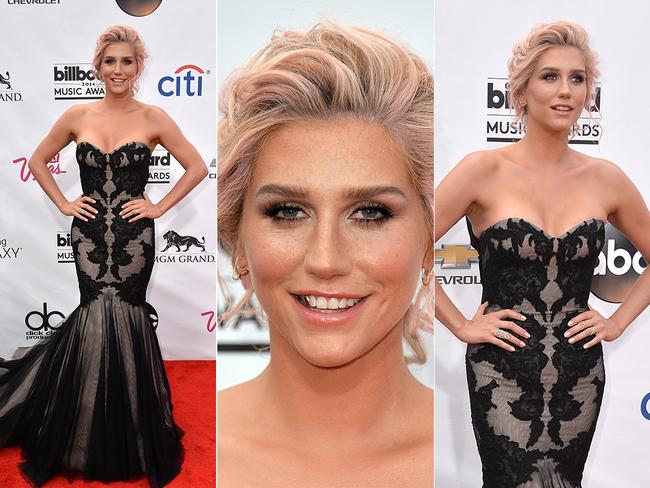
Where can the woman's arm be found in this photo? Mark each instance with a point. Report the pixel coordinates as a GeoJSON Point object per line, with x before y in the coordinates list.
{"type": "Point", "coordinates": [630, 215]}
{"type": "Point", "coordinates": [171, 137]}
{"type": "Point", "coordinates": [455, 196]}
{"type": "Point", "coordinates": [61, 134]}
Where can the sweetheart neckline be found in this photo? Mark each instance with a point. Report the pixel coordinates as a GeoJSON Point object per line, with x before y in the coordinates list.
{"type": "Point", "coordinates": [114, 150]}
{"type": "Point", "coordinates": [537, 228]}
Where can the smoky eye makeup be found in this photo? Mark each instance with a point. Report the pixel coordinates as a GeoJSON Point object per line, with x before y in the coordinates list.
{"type": "Point", "coordinates": [284, 211]}
{"type": "Point", "coordinates": [371, 213]}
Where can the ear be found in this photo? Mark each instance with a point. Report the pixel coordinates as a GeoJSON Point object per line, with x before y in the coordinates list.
{"type": "Point", "coordinates": [428, 259]}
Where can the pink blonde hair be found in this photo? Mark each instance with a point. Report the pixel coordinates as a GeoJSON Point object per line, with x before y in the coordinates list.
{"type": "Point", "coordinates": [527, 52]}
{"type": "Point", "coordinates": [328, 73]}
{"type": "Point", "coordinates": [120, 33]}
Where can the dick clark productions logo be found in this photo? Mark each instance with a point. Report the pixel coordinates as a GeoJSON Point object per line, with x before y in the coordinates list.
{"type": "Point", "coordinates": [43, 323]}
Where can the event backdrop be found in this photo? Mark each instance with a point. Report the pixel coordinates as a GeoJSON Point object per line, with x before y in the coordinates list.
{"type": "Point", "coordinates": [473, 43]}
{"type": "Point", "coordinates": [45, 69]}
{"type": "Point", "coordinates": [239, 357]}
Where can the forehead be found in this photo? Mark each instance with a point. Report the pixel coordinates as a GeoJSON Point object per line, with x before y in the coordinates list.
{"type": "Point", "coordinates": [569, 57]}
{"type": "Point", "coordinates": [119, 50]}
{"type": "Point", "coordinates": [328, 156]}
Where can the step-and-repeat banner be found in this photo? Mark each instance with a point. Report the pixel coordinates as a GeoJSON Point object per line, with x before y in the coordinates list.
{"type": "Point", "coordinates": [45, 68]}
{"type": "Point", "coordinates": [242, 353]}
{"type": "Point", "coordinates": [473, 43]}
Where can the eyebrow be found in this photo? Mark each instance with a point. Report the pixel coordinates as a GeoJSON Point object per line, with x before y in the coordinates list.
{"type": "Point", "coordinates": [357, 193]}
{"type": "Point", "coordinates": [553, 68]}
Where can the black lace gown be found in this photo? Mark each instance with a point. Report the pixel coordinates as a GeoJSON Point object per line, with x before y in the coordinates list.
{"type": "Point", "coordinates": [534, 410]}
{"type": "Point", "coordinates": [93, 399]}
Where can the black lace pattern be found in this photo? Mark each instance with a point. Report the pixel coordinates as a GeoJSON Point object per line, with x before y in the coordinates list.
{"type": "Point", "coordinates": [534, 410]}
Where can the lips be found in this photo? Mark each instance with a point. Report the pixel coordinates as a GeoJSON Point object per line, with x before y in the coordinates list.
{"type": "Point", "coordinates": [327, 304]}
{"type": "Point", "coordinates": [562, 108]}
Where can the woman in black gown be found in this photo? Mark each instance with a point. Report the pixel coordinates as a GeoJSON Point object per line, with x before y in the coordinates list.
{"type": "Point", "coordinates": [94, 399]}
{"type": "Point", "coordinates": [534, 359]}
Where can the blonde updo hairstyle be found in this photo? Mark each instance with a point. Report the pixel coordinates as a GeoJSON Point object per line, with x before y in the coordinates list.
{"type": "Point", "coordinates": [120, 33]}
{"type": "Point", "coordinates": [527, 52]}
{"type": "Point", "coordinates": [327, 74]}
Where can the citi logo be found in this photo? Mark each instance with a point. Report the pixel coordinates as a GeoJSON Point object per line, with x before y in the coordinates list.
{"type": "Point", "coordinates": [188, 81]}
{"type": "Point", "coordinates": [73, 73]}
{"type": "Point", "coordinates": [618, 269]}
{"type": "Point", "coordinates": [645, 407]}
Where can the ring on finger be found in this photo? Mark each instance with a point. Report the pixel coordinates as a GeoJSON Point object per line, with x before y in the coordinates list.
{"type": "Point", "coordinates": [593, 331]}
{"type": "Point", "coordinates": [500, 334]}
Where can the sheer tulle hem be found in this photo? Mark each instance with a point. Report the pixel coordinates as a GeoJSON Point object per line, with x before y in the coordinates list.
{"type": "Point", "coordinates": [93, 400]}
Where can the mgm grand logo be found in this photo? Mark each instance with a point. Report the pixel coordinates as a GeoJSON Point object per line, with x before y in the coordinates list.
{"type": "Point", "coordinates": [184, 249]}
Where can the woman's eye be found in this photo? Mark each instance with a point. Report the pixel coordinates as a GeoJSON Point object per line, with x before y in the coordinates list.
{"type": "Point", "coordinates": [577, 78]}
{"type": "Point", "coordinates": [371, 214]}
{"type": "Point", "coordinates": [127, 61]}
{"type": "Point", "coordinates": [285, 212]}
{"type": "Point", "coordinates": [550, 76]}
{"type": "Point", "coordinates": [108, 61]}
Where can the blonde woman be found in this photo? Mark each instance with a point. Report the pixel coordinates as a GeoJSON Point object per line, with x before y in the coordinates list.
{"type": "Point", "coordinates": [93, 400]}
{"type": "Point", "coordinates": [326, 210]}
{"type": "Point", "coordinates": [536, 212]}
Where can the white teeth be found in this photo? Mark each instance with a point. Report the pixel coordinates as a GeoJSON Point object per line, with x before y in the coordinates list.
{"type": "Point", "coordinates": [326, 304]}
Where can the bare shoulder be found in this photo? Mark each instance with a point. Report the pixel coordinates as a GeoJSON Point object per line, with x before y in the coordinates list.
{"type": "Point", "coordinates": [235, 408]}
{"type": "Point", "coordinates": [604, 170]}
{"type": "Point", "coordinates": [153, 113]}
{"type": "Point", "coordinates": [481, 162]}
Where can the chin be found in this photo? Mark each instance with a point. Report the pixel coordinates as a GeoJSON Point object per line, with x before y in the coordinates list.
{"type": "Point", "coordinates": [332, 355]}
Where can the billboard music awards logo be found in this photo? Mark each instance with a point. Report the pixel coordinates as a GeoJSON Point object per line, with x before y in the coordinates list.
{"type": "Point", "coordinates": [64, 252]}
{"type": "Point", "coordinates": [7, 91]}
{"type": "Point", "coordinates": [159, 167]}
{"type": "Point", "coordinates": [500, 117]}
{"type": "Point", "coordinates": [54, 166]}
{"type": "Point", "coordinates": [187, 81]}
{"type": "Point", "coordinates": [76, 81]}
{"type": "Point", "coordinates": [7, 251]}
{"type": "Point", "coordinates": [619, 266]}
{"type": "Point", "coordinates": [184, 249]}
{"type": "Point", "coordinates": [42, 323]}
{"type": "Point", "coordinates": [452, 257]}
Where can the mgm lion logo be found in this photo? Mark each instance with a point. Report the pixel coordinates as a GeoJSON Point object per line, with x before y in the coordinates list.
{"type": "Point", "coordinates": [174, 239]}
{"type": "Point", "coordinates": [4, 80]}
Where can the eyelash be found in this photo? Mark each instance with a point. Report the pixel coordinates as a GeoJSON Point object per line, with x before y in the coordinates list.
{"type": "Point", "coordinates": [574, 78]}
{"type": "Point", "coordinates": [111, 61]}
{"type": "Point", "coordinates": [275, 210]}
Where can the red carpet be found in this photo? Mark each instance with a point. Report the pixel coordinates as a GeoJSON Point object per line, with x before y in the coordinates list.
{"type": "Point", "coordinates": [193, 394]}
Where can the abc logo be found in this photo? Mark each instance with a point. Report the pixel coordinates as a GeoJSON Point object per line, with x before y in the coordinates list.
{"type": "Point", "coordinates": [138, 8]}
{"type": "Point", "coordinates": [619, 266]}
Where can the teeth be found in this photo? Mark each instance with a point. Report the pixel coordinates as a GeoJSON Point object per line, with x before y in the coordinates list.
{"type": "Point", "coordinates": [323, 303]}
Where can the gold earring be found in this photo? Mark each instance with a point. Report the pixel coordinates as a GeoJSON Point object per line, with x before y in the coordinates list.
{"type": "Point", "coordinates": [237, 271]}
{"type": "Point", "coordinates": [426, 276]}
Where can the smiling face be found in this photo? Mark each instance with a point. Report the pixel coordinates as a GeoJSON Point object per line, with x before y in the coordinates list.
{"type": "Point", "coordinates": [334, 236]}
{"type": "Point", "coordinates": [119, 67]}
{"type": "Point", "coordinates": [556, 92]}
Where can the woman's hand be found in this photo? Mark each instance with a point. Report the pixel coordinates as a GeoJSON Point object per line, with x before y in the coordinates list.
{"type": "Point", "coordinates": [80, 208]}
{"type": "Point", "coordinates": [493, 329]}
{"type": "Point", "coordinates": [591, 323]}
{"type": "Point", "coordinates": [142, 208]}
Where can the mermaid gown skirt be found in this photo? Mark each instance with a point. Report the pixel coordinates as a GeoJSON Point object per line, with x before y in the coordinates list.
{"type": "Point", "coordinates": [93, 399]}
{"type": "Point", "coordinates": [534, 410]}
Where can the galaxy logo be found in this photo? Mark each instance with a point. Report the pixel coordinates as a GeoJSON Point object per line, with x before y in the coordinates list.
{"type": "Point", "coordinates": [76, 81]}
{"type": "Point", "coordinates": [187, 81]}
{"type": "Point", "coordinates": [619, 266]}
{"type": "Point", "coordinates": [500, 116]}
{"type": "Point", "coordinates": [8, 252]}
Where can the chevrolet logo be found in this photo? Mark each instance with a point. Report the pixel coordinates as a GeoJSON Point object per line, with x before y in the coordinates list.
{"type": "Point", "coordinates": [456, 256]}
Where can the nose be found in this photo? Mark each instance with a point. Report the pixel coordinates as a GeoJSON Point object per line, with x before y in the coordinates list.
{"type": "Point", "coordinates": [327, 255]}
{"type": "Point", "coordinates": [565, 89]}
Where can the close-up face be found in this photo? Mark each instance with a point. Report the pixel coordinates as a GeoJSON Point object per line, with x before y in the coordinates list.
{"type": "Point", "coordinates": [119, 67]}
{"type": "Point", "coordinates": [334, 236]}
{"type": "Point", "coordinates": [557, 90]}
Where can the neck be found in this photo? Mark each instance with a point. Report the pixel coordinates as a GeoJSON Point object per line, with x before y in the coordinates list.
{"type": "Point", "coordinates": [326, 403]}
{"type": "Point", "coordinates": [117, 102]}
{"type": "Point", "coordinates": [544, 147]}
